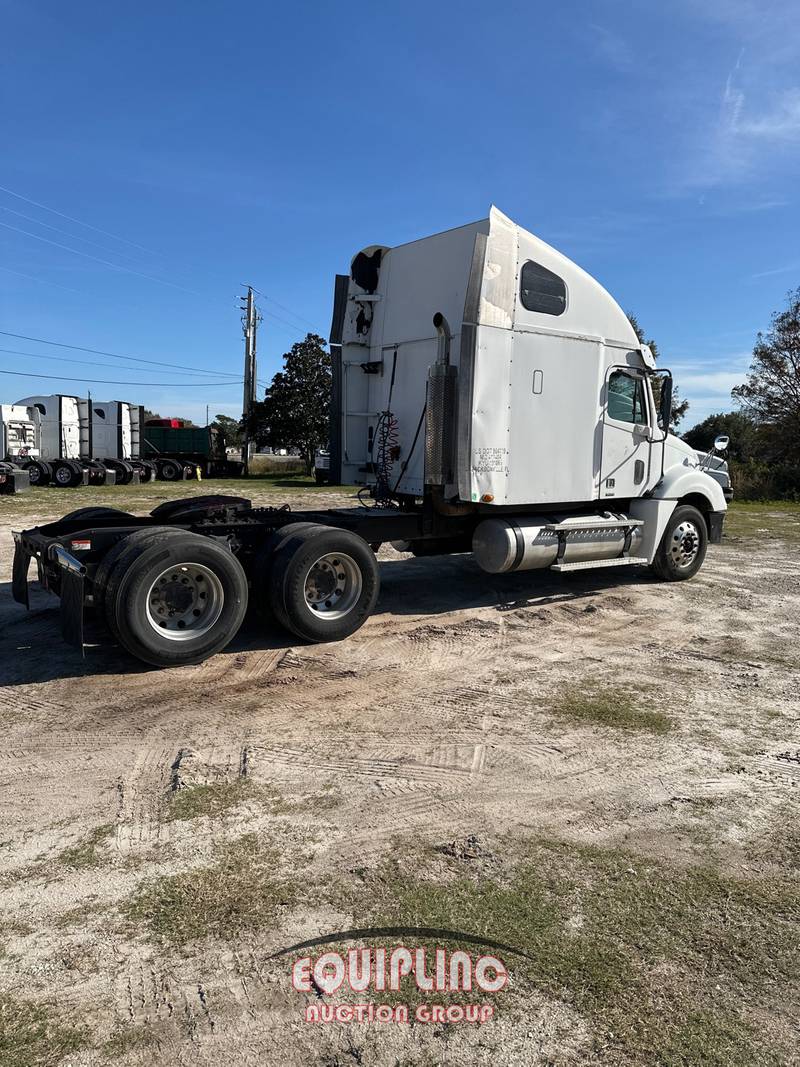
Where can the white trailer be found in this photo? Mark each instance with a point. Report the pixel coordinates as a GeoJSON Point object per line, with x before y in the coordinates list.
{"type": "Point", "coordinates": [491, 398]}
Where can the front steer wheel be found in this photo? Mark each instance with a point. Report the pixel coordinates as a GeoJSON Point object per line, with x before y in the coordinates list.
{"type": "Point", "coordinates": [683, 546]}
{"type": "Point", "coordinates": [323, 583]}
{"type": "Point", "coordinates": [174, 597]}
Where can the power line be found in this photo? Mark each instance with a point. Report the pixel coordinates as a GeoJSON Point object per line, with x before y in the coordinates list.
{"type": "Point", "coordinates": [117, 355]}
{"type": "Point", "coordinates": [287, 310]}
{"type": "Point", "coordinates": [106, 381]}
{"type": "Point", "coordinates": [86, 362]}
{"type": "Point", "coordinates": [105, 262]}
{"type": "Point", "coordinates": [42, 281]}
{"type": "Point", "coordinates": [78, 222]}
{"type": "Point", "coordinates": [66, 233]}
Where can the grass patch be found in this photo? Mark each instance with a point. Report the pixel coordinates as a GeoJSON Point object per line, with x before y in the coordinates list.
{"type": "Point", "coordinates": [30, 1036]}
{"type": "Point", "coordinates": [85, 853]}
{"type": "Point", "coordinates": [217, 798]}
{"type": "Point", "coordinates": [47, 504]}
{"type": "Point", "coordinates": [615, 708]}
{"type": "Point", "coordinates": [210, 801]}
{"type": "Point", "coordinates": [240, 891]}
{"type": "Point", "coordinates": [80, 915]}
{"type": "Point", "coordinates": [664, 963]}
{"type": "Point", "coordinates": [777, 520]}
{"type": "Point", "coordinates": [129, 1039]}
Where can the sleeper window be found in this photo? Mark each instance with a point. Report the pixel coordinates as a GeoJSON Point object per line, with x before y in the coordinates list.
{"type": "Point", "coordinates": [626, 398]}
{"type": "Point", "coordinates": [541, 290]}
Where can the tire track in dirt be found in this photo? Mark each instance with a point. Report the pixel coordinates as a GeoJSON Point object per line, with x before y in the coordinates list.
{"type": "Point", "coordinates": [141, 798]}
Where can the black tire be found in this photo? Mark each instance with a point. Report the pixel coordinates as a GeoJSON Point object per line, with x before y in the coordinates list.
{"type": "Point", "coordinates": [164, 588]}
{"type": "Point", "coordinates": [146, 469]}
{"type": "Point", "coordinates": [169, 470]}
{"type": "Point", "coordinates": [67, 473]}
{"type": "Point", "coordinates": [98, 472]}
{"type": "Point", "coordinates": [39, 472]}
{"type": "Point", "coordinates": [122, 468]}
{"type": "Point", "coordinates": [124, 549]}
{"type": "Point", "coordinates": [683, 546]}
{"type": "Point", "coordinates": [263, 563]}
{"type": "Point", "coordinates": [320, 477]}
{"type": "Point", "coordinates": [96, 513]}
{"type": "Point", "coordinates": [346, 574]}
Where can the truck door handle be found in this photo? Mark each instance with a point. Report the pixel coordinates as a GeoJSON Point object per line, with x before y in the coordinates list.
{"type": "Point", "coordinates": [538, 380]}
{"type": "Point", "coordinates": [638, 471]}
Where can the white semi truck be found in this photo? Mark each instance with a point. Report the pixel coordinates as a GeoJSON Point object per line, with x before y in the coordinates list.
{"type": "Point", "coordinates": [490, 398]}
{"type": "Point", "coordinates": [19, 440]}
{"type": "Point", "coordinates": [83, 441]}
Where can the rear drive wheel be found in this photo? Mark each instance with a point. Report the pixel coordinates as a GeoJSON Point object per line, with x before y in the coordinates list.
{"type": "Point", "coordinates": [108, 576]}
{"type": "Point", "coordinates": [170, 471]}
{"type": "Point", "coordinates": [260, 598]}
{"type": "Point", "coordinates": [175, 600]}
{"type": "Point", "coordinates": [683, 546]}
{"type": "Point", "coordinates": [122, 468]}
{"type": "Point", "coordinates": [98, 472]}
{"type": "Point", "coordinates": [323, 583]}
{"type": "Point", "coordinates": [39, 471]}
{"type": "Point", "coordinates": [146, 469]}
{"type": "Point", "coordinates": [67, 473]}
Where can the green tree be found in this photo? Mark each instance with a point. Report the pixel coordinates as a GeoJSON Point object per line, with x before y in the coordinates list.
{"type": "Point", "coordinates": [771, 394]}
{"type": "Point", "coordinates": [741, 429]}
{"type": "Point", "coordinates": [295, 411]}
{"type": "Point", "coordinates": [679, 407]}
{"type": "Point", "coordinates": [231, 430]}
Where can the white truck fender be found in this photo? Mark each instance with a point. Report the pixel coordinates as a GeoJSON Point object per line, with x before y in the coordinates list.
{"type": "Point", "coordinates": [655, 510]}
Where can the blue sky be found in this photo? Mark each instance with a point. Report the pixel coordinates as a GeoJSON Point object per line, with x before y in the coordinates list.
{"type": "Point", "coordinates": [194, 147]}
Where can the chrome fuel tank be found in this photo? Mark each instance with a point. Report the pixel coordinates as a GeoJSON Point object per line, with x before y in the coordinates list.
{"type": "Point", "coordinates": [501, 545]}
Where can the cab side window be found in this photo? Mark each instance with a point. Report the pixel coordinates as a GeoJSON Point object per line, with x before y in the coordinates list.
{"type": "Point", "coordinates": [626, 402]}
{"type": "Point", "coordinates": [541, 290]}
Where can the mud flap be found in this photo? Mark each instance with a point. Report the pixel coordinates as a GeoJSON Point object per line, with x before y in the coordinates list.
{"type": "Point", "coordinates": [19, 575]}
{"type": "Point", "coordinates": [715, 521]}
{"type": "Point", "coordinates": [72, 608]}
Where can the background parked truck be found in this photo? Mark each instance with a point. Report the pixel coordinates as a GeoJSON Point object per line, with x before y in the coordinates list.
{"type": "Point", "coordinates": [67, 441]}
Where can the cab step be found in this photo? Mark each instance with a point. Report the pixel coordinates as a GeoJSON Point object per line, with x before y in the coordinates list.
{"type": "Point", "coordinates": [603, 524]}
{"type": "Point", "coordinates": [590, 564]}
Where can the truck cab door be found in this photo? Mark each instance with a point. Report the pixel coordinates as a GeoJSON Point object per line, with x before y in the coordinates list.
{"type": "Point", "coordinates": [625, 462]}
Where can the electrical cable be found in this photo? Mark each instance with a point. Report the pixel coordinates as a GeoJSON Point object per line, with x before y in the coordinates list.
{"type": "Point", "coordinates": [407, 460]}
{"type": "Point", "coordinates": [117, 355]}
{"type": "Point", "coordinates": [105, 262]}
{"type": "Point", "coordinates": [78, 222]}
{"type": "Point", "coordinates": [89, 362]}
{"type": "Point", "coordinates": [66, 233]}
{"type": "Point", "coordinates": [107, 381]}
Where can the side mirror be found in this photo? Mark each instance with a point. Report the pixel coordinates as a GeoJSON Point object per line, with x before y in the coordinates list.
{"type": "Point", "coordinates": [721, 442]}
{"type": "Point", "coordinates": [665, 405]}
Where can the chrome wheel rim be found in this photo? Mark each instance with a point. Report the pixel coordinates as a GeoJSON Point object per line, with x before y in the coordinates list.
{"type": "Point", "coordinates": [63, 475]}
{"type": "Point", "coordinates": [332, 586]}
{"type": "Point", "coordinates": [685, 545]}
{"type": "Point", "coordinates": [184, 602]}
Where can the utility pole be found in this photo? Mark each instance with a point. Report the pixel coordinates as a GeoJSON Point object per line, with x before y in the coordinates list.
{"type": "Point", "coordinates": [249, 327]}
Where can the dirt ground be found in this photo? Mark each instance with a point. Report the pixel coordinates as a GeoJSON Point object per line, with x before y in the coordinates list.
{"type": "Point", "coordinates": [466, 710]}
